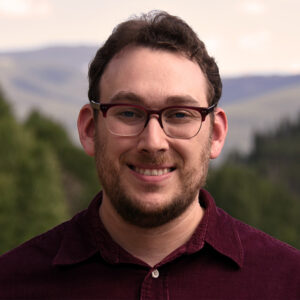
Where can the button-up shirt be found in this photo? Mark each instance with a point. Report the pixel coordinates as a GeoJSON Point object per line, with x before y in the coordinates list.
{"type": "Point", "coordinates": [224, 259]}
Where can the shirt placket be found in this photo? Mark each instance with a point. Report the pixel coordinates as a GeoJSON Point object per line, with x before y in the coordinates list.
{"type": "Point", "coordinates": [154, 286]}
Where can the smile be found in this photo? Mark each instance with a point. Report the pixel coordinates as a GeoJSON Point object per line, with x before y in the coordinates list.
{"type": "Point", "coordinates": [152, 172]}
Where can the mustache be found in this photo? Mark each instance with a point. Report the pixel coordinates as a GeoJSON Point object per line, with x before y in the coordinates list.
{"type": "Point", "coordinates": [154, 159]}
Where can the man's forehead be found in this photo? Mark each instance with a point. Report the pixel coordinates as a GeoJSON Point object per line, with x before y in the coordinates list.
{"type": "Point", "coordinates": [138, 53]}
{"type": "Point", "coordinates": [144, 71]}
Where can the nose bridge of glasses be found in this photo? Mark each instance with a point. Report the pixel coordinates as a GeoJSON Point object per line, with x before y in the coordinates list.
{"type": "Point", "coordinates": [156, 114]}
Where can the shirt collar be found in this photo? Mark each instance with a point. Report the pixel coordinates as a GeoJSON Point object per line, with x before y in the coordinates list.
{"type": "Point", "coordinates": [221, 233]}
{"type": "Point", "coordinates": [85, 236]}
{"type": "Point", "coordinates": [78, 241]}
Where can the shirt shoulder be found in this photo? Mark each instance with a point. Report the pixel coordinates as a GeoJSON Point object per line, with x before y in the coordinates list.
{"type": "Point", "coordinates": [269, 257]}
{"type": "Point", "coordinates": [256, 242]}
{"type": "Point", "coordinates": [39, 252]}
{"type": "Point", "coordinates": [36, 252]}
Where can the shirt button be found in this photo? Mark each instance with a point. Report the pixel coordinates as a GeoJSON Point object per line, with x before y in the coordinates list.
{"type": "Point", "coordinates": [155, 273]}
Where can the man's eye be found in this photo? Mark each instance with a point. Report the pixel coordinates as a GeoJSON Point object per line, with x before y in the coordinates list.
{"type": "Point", "coordinates": [179, 115]}
{"type": "Point", "coordinates": [128, 114]}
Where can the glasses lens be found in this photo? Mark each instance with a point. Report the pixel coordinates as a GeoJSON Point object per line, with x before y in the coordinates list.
{"type": "Point", "coordinates": [125, 120]}
{"type": "Point", "coordinates": [181, 122]}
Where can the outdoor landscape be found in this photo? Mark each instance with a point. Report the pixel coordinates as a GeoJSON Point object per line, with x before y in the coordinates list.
{"type": "Point", "coordinates": [45, 177]}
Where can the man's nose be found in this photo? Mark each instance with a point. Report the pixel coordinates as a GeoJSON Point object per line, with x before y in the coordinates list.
{"type": "Point", "coordinates": [153, 138]}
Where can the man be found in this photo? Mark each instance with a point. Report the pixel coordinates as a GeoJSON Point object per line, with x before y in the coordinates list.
{"type": "Point", "coordinates": [152, 124]}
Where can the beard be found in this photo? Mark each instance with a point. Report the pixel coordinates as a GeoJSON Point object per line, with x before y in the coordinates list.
{"type": "Point", "coordinates": [133, 210]}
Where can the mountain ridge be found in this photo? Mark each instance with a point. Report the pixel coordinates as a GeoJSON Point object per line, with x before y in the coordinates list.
{"type": "Point", "coordinates": [54, 81]}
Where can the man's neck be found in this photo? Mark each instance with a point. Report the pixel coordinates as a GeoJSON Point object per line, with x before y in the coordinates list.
{"type": "Point", "coordinates": [154, 244]}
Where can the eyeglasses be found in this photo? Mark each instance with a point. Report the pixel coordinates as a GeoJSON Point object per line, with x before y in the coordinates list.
{"type": "Point", "coordinates": [181, 122]}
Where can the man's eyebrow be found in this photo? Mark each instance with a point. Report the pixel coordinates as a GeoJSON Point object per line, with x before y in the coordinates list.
{"type": "Point", "coordinates": [182, 100]}
{"type": "Point", "coordinates": [128, 96]}
{"type": "Point", "coordinates": [169, 101]}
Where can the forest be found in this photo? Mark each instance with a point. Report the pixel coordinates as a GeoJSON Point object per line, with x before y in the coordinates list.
{"type": "Point", "coordinates": [45, 179]}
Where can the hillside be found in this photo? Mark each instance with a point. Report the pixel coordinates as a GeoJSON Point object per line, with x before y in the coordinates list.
{"type": "Point", "coordinates": [54, 81]}
{"type": "Point", "coordinates": [237, 89]}
{"type": "Point", "coordinates": [259, 114]}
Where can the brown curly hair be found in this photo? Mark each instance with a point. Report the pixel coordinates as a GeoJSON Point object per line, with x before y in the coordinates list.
{"type": "Point", "coordinates": [156, 30]}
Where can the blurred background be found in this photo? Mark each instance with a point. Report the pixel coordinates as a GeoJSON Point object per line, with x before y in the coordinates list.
{"type": "Point", "coordinates": [45, 49]}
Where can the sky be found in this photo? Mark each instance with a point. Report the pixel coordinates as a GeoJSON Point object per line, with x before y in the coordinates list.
{"type": "Point", "coordinates": [245, 36]}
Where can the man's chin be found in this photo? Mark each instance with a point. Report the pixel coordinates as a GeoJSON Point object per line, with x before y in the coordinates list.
{"type": "Point", "coordinates": [151, 211]}
{"type": "Point", "coordinates": [152, 199]}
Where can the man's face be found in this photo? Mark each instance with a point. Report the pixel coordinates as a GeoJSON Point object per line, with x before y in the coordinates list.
{"type": "Point", "coordinates": [151, 178]}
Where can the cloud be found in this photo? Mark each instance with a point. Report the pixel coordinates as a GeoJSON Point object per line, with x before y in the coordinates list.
{"type": "Point", "coordinates": [212, 44]}
{"type": "Point", "coordinates": [252, 7]}
{"type": "Point", "coordinates": [294, 68]}
{"type": "Point", "coordinates": [255, 41]}
{"type": "Point", "coordinates": [24, 8]}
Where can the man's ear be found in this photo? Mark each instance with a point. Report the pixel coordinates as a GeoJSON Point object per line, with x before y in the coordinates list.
{"type": "Point", "coordinates": [86, 129]}
{"type": "Point", "coordinates": [219, 133]}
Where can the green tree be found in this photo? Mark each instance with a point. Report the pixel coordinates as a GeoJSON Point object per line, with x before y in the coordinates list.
{"type": "Point", "coordinates": [78, 170]}
{"type": "Point", "coordinates": [276, 154]}
{"type": "Point", "coordinates": [245, 194]}
{"type": "Point", "coordinates": [32, 198]}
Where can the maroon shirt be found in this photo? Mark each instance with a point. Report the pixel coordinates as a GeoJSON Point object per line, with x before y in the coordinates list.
{"type": "Point", "coordinates": [224, 259]}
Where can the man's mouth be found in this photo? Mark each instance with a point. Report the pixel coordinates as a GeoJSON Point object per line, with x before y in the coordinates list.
{"type": "Point", "coordinates": [151, 172]}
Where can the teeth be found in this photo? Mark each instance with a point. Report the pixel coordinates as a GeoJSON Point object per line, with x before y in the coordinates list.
{"type": "Point", "coordinates": [152, 172]}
